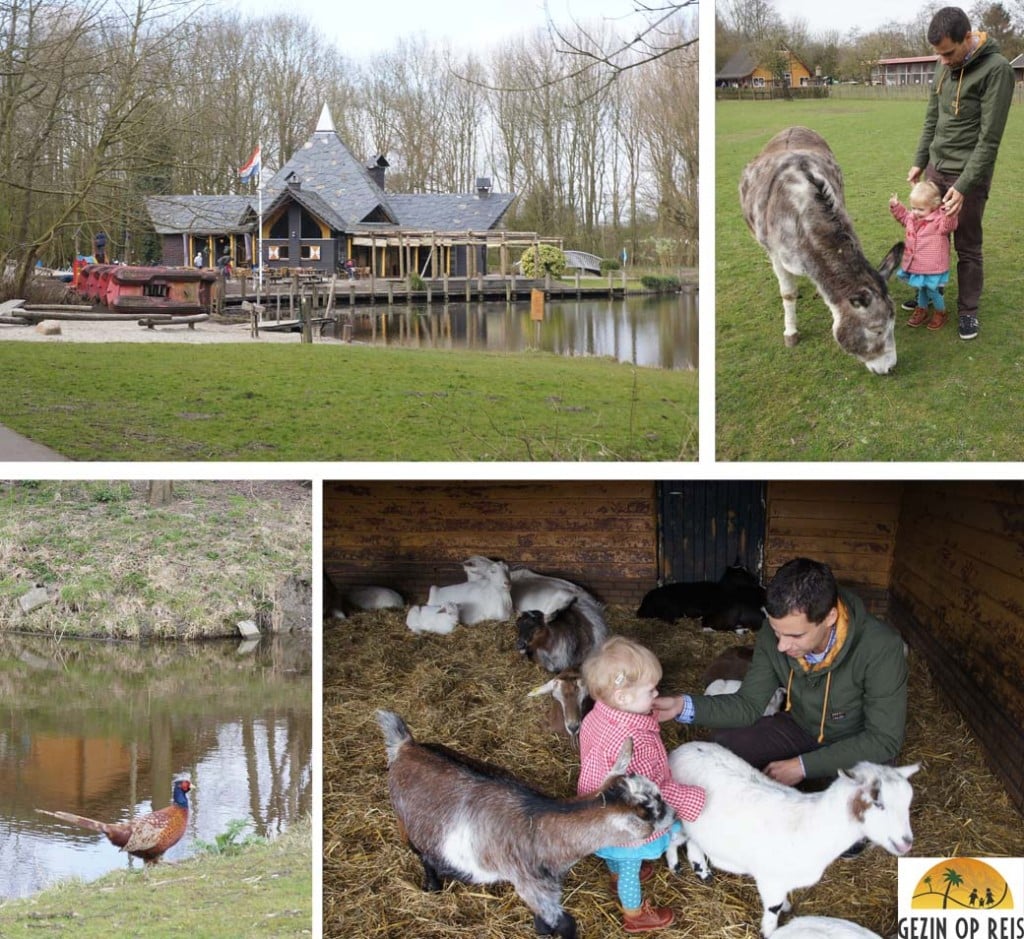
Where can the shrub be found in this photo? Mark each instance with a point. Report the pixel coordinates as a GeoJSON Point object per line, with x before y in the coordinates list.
{"type": "Point", "coordinates": [610, 264]}
{"type": "Point", "coordinates": [551, 261]}
{"type": "Point", "coordinates": [661, 283]}
{"type": "Point", "coordinates": [228, 842]}
{"type": "Point", "coordinates": [416, 282]}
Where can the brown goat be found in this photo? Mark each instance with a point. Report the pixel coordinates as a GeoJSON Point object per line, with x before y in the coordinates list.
{"type": "Point", "coordinates": [570, 703]}
{"type": "Point", "coordinates": [469, 821]}
{"type": "Point", "coordinates": [730, 665]}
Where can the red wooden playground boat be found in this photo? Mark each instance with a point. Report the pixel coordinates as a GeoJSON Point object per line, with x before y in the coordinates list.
{"type": "Point", "coordinates": [140, 290]}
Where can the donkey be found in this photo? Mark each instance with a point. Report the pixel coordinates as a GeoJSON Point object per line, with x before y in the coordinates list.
{"type": "Point", "coordinates": [792, 200]}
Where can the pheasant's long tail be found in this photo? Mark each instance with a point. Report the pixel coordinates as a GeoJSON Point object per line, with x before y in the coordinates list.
{"type": "Point", "coordinates": [80, 820]}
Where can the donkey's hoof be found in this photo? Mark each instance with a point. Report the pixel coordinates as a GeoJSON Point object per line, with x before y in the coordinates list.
{"type": "Point", "coordinates": [792, 340]}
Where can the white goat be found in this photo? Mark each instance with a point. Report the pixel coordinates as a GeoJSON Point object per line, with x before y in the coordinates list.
{"type": "Point", "coordinates": [732, 685]}
{"type": "Point", "coordinates": [541, 592]}
{"type": "Point", "coordinates": [477, 823]}
{"type": "Point", "coordinates": [374, 598]}
{"type": "Point", "coordinates": [822, 927]}
{"type": "Point", "coordinates": [484, 595]}
{"type": "Point", "coordinates": [781, 837]}
{"type": "Point", "coordinates": [433, 619]}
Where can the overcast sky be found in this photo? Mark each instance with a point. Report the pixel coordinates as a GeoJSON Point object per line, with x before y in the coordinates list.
{"type": "Point", "coordinates": [366, 28]}
{"type": "Point", "coordinates": [864, 15]}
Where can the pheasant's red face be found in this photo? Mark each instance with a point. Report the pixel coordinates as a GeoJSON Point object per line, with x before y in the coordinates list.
{"type": "Point", "coordinates": [184, 785]}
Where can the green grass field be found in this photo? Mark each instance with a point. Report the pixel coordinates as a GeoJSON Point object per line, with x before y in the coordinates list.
{"type": "Point", "coordinates": [946, 399]}
{"type": "Point", "coordinates": [261, 891]}
{"type": "Point", "coordinates": [300, 402]}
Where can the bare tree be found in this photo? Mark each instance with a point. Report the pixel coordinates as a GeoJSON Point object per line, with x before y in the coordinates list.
{"type": "Point", "coordinates": [657, 35]}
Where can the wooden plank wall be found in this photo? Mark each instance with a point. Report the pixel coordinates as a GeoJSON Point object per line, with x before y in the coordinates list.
{"type": "Point", "coordinates": [849, 525]}
{"type": "Point", "coordinates": [958, 597]}
{"type": "Point", "coordinates": [409, 535]}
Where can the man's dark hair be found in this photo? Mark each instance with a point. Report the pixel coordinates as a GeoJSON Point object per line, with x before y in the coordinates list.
{"type": "Point", "coordinates": [951, 22]}
{"type": "Point", "coordinates": [802, 586]}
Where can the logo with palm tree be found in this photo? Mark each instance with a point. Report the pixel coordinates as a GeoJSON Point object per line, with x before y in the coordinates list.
{"type": "Point", "coordinates": [962, 883]}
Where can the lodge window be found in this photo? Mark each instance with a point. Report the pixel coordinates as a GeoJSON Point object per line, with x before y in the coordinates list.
{"type": "Point", "coordinates": [277, 252]}
{"type": "Point", "coordinates": [310, 252]}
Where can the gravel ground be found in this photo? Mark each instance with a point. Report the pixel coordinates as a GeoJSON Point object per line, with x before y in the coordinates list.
{"type": "Point", "coordinates": [130, 331]}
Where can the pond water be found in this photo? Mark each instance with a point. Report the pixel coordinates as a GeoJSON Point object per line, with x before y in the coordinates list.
{"type": "Point", "coordinates": [652, 331]}
{"type": "Point", "coordinates": [101, 729]}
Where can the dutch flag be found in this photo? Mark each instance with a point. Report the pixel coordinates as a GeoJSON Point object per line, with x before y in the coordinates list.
{"type": "Point", "coordinates": [252, 166]}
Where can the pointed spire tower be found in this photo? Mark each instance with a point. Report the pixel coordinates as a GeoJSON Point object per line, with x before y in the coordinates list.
{"type": "Point", "coordinates": [326, 122]}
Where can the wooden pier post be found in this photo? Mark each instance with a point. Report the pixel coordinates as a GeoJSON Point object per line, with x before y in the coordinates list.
{"type": "Point", "coordinates": [306, 314]}
{"type": "Point", "coordinates": [536, 305]}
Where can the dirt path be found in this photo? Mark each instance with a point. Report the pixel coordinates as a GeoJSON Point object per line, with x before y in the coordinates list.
{"type": "Point", "coordinates": [130, 331]}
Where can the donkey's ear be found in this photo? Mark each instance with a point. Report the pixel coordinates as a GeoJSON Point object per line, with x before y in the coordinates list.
{"type": "Point", "coordinates": [891, 261]}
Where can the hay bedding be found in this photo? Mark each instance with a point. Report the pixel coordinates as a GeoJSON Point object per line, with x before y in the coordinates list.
{"type": "Point", "coordinates": [468, 690]}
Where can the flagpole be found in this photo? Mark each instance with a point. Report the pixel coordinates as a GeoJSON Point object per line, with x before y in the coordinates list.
{"type": "Point", "coordinates": [259, 231]}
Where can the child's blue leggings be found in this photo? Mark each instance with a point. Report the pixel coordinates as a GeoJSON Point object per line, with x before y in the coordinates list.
{"type": "Point", "coordinates": [629, 881]}
{"type": "Point", "coordinates": [932, 295]}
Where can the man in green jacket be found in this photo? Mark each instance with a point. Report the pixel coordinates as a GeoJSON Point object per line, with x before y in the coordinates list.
{"type": "Point", "coordinates": [845, 675]}
{"type": "Point", "coordinates": [972, 89]}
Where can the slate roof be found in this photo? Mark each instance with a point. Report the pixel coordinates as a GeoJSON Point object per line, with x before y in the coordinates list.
{"type": "Point", "coordinates": [469, 212]}
{"type": "Point", "coordinates": [328, 181]}
{"type": "Point", "coordinates": [325, 166]}
{"type": "Point", "coordinates": [201, 215]}
{"type": "Point", "coordinates": [312, 201]}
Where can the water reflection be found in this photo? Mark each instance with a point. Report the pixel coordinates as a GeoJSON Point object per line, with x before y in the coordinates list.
{"type": "Point", "coordinates": [653, 331]}
{"type": "Point", "coordinates": [101, 729]}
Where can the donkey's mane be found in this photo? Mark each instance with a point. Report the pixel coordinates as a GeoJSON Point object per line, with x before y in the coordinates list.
{"type": "Point", "coordinates": [838, 235]}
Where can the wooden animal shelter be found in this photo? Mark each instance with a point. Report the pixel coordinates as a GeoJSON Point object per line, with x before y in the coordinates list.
{"type": "Point", "coordinates": [942, 561]}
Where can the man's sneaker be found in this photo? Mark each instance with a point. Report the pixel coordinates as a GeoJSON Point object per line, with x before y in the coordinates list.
{"type": "Point", "coordinates": [968, 326]}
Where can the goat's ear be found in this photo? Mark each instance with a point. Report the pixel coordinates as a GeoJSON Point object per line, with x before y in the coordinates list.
{"type": "Point", "coordinates": [546, 688]}
{"type": "Point", "coordinates": [891, 261]}
{"type": "Point", "coordinates": [625, 755]}
{"type": "Point", "coordinates": [907, 771]}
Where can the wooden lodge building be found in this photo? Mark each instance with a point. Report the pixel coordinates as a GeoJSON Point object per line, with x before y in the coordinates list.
{"type": "Point", "coordinates": [323, 207]}
{"type": "Point", "coordinates": [744, 70]}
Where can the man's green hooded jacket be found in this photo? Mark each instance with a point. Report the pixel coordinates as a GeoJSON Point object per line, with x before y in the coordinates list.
{"type": "Point", "coordinates": [854, 702]}
{"type": "Point", "coordinates": [966, 115]}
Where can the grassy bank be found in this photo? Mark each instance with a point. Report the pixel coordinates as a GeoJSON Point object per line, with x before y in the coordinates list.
{"type": "Point", "coordinates": [245, 402]}
{"type": "Point", "coordinates": [120, 568]}
{"type": "Point", "coordinates": [264, 890]}
{"type": "Point", "coordinates": [947, 399]}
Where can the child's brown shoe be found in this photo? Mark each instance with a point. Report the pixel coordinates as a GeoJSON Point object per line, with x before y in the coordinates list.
{"type": "Point", "coordinates": [646, 917]}
{"type": "Point", "coordinates": [938, 319]}
{"type": "Point", "coordinates": [918, 317]}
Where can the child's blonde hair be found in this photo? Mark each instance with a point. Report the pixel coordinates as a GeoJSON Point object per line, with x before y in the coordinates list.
{"type": "Point", "coordinates": [619, 663]}
{"type": "Point", "coordinates": [927, 192]}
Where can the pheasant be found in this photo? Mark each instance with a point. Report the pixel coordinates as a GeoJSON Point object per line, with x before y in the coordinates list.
{"type": "Point", "coordinates": [147, 836]}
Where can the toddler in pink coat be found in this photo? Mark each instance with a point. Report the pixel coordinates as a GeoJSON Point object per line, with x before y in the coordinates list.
{"type": "Point", "coordinates": [925, 262]}
{"type": "Point", "coordinates": [622, 677]}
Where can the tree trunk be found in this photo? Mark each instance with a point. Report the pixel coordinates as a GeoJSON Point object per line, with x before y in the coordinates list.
{"type": "Point", "coordinates": [161, 491]}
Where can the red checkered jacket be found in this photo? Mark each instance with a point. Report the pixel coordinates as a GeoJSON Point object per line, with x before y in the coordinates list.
{"type": "Point", "coordinates": [601, 736]}
{"type": "Point", "coordinates": [926, 247]}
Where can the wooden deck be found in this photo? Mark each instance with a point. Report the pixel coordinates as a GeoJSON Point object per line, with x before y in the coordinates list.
{"type": "Point", "coordinates": [282, 297]}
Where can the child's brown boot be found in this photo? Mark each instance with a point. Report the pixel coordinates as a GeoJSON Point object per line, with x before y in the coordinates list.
{"type": "Point", "coordinates": [938, 319]}
{"type": "Point", "coordinates": [918, 317]}
{"type": "Point", "coordinates": [646, 917]}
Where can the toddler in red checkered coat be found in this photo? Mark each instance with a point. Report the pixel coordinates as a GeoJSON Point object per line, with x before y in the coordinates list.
{"type": "Point", "coordinates": [925, 263]}
{"type": "Point", "coordinates": [622, 677]}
